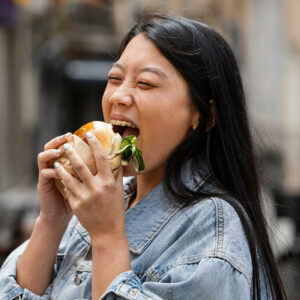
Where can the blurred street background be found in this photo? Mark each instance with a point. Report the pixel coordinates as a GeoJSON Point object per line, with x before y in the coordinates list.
{"type": "Point", "coordinates": [54, 59]}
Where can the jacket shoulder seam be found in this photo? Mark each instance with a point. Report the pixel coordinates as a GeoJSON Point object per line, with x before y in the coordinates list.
{"type": "Point", "coordinates": [220, 224]}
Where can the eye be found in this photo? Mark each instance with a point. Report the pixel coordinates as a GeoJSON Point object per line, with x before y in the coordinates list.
{"type": "Point", "coordinates": [145, 84]}
{"type": "Point", "coordinates": [114, 79]}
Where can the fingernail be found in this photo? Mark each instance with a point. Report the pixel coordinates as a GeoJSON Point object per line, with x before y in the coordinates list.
{"type": "Point", "coordinates": [65, 190]}
{"type": "Point", "coordinates": [56, 165]}
{"type": "Point", "coordinates": [57, 151]}
{"type": "Point", "coordinates": [65, 135]}
{"type": "Point", "coordinates": [89, 135]}
{"type": "Point", "coordinates": [66, 146]}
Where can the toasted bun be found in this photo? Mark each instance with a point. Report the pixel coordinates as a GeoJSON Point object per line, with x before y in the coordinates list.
{"type": "Point", "coordinates": [109, 140]}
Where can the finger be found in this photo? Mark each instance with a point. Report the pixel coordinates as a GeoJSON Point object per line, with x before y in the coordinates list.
{"type": "Point", "coordinates": [48, 173]}
{"type": "Point", "coordinates": [70, 181]}
{"type": "Point", "coordinates": [101, 160]}
{"type": "Point", "coordinates": [71, 199]}
{"type": "Point", "coordinates": [44, 158]}
{"type": "Point", "coordinates": [78, 165]}
{"type": "Point", "coordinates": [56, 142]}
{"type": "Point", "coordinates": [68, 194]}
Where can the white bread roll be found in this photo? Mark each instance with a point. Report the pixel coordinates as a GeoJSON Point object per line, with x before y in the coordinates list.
{"type": "Point", "coordinates": [109, 140]}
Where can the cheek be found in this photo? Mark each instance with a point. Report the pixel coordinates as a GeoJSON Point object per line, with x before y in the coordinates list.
{"type": "Point", "coordinates": [161, 137]}
{"type": "Point", "coordinates": [106, 106]}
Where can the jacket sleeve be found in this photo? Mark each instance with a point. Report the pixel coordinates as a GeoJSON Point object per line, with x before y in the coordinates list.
{"type": "Point", "coordinates": [211, 278]}
{"type": "Point", "coordinates": [9, 288]}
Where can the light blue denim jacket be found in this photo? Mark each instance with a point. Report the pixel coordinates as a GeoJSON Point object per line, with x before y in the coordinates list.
{"type": "Point", "coordinates": [181, 252]}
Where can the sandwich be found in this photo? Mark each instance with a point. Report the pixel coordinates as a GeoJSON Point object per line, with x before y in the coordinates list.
{"type": "Point", "coordinates": [118, 151]}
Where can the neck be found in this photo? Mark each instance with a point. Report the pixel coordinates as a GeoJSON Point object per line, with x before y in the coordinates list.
{"type": "Point", "coordinates": [147, 182]}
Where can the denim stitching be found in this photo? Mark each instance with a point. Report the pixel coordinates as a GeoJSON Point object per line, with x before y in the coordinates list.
{"type": "Point", "coordinates": [196, 259]}
{"type": "Point", "coordinates": [223, 226]}
{"type": "Point", "coordinates": [152, 274]}
{"type": "Point", "coordinates": [130, 278]}
{"type": "Point", "coordinates": [183, 261]}
{"type": "Point", "coordinates": [17, 290]}
{"type": "Point", "coordinates": [217, 226]}
{"type": "Point", "coordinates": [235, 264]}
{"type": "Point", "coordinates": [220, 225]}
{"type": "Point", "coordinates": [155, 274]}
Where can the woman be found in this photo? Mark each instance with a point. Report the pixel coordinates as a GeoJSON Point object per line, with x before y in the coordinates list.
{"type": "Point", "coordinates": [191, 225]}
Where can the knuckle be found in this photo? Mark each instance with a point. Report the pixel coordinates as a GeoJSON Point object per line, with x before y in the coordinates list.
{"type": "Point", "coordinates": [101, 155]}
{"type": "Point", "coordinates": [97, 190]}
{"type": "Point", "coordinates": [84, 197]}
{"type": "Point", "coordinates": [77, 165]}
{"type": "Point", "coordinates": [109, 185]}
{"type": "Point", "coordinates": [45, 174]}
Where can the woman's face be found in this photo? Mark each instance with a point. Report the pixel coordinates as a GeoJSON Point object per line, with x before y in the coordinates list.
{"type": "Point", "coordinates": [145, 89]}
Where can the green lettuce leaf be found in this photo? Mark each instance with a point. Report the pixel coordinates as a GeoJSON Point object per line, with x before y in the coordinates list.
{"type": "Point", "coordinates": [128, 151]}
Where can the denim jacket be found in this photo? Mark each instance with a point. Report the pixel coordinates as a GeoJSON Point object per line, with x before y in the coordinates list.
{"type": "Point", "coordinates": [196, 251]}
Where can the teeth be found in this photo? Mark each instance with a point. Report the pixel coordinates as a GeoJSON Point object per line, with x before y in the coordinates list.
{"type": "Point", "coordinates": [122, 123]}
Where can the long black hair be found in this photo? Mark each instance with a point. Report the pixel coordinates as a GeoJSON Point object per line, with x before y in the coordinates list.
{"type": "Point", "coordinates": [207, 63]}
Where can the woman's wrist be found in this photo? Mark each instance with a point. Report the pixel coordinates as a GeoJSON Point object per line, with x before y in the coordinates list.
{"type": "Point", "coordinates": [111, 257]}
{"type": "Point", "coordinates": [55, 221]}
{"type": "Point", "coordinates": [105, 241]}
{"type": "Point", "coordinates": [52, 226]}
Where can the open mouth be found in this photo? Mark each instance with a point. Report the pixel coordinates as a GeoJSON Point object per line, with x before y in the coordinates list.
{"type": "Point", "coordinates": [124, 128]}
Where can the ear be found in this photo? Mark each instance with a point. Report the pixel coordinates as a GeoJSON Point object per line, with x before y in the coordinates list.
{"type": "Point", "coordinates": [195, 120]}
{"type": "Point", "coordinates": [213, 114]}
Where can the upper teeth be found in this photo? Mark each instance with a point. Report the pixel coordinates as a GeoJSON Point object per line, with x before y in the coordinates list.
{"type": "Point", "coordinates": [122, 123]}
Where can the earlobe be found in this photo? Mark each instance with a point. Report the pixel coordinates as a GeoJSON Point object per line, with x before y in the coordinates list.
{"type": "Point", "coordinates": [196, 121]}
{"type": "Point", "coordinates": [195, 125]}
{"type": "Point", "coordinates": [213, 116]}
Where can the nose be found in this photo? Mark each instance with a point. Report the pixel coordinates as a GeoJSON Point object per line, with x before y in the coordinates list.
{"type": "Point", "coordinates": [122, 97]}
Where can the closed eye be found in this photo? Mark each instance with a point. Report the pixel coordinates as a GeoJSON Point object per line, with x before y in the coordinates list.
{"type": "Point", "coordinates": [113, 78]}
{"type": "Point", "coordinates": [146, 84]}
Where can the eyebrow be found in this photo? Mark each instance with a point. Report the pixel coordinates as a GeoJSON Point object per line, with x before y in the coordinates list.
{"type": "Point", "coordinates": [146, 69]}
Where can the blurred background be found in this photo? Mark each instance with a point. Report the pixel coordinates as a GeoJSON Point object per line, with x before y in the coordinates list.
{"type": "Point", "coordinates": [54, 59]}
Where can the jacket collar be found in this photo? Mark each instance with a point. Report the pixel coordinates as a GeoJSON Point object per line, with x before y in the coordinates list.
{"type": "Point", "coordinates": [148, 217]}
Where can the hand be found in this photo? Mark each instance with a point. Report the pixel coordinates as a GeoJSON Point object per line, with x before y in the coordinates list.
{"type": "Point", "coordinates": [97, 200]}
{"type": "Point", "coordinates": [54, 208]}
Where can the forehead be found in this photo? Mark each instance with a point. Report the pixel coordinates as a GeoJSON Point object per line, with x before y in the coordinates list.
{"type": "Point", "coordinates": [142, 52]}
